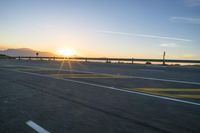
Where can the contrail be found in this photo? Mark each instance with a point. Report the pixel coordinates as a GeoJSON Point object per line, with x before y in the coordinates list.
{"type": "Point", "coordinates": [147, 36]}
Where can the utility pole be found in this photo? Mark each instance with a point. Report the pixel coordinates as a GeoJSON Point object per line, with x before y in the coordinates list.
{"type": "Point", "coordinates": [164, 58]}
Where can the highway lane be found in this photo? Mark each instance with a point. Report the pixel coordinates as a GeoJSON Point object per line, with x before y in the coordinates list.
{"type": "Point", "coordinates": [150, 71]}
{"type": "Point", "coordinates": [63, 106]}
{"type": "Point", "coordinates": [173, 89]}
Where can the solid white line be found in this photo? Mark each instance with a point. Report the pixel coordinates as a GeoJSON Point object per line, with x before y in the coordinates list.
{"type": "Point", "coordinates": [113, 88]}
{"type": "Point", "coordinates": [147, 78]}
{"type": "Point", "coordinates": [159, 66]}
{"type": "Point", "coordinates": [153, 70]}
{"type": "Point", "coordinates": [167, 80]}
{"type": "Point", "coordinates": [36, 127]}
{"type": "Point", "coordinates": [138, 77]}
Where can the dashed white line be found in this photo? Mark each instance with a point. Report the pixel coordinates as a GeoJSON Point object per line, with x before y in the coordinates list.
{"type": "Point", "coordinates": [36, 127]}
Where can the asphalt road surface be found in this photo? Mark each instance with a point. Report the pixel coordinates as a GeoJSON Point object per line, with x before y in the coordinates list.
{"type": "Point", "coordinates": [80, 97]}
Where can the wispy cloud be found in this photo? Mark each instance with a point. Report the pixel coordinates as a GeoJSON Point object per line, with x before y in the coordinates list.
{"type": "Point", "coordinates": [147, 36]}
{"type": "Point", "coordinates": [192, 3]}
{"type": "Point", "coordinates": [185, 20]}
{"type": "Point", "coordinates": [170, 45]}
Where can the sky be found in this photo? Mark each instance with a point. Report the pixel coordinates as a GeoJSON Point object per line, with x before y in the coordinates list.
{"type": "Point", "coordinates": [103, 28]}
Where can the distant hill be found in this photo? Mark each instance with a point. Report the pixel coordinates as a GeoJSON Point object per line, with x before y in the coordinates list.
{"type": "Point", "coordinates": [2, 56]}
{"type": "Point", "coordinates": [24, 52]}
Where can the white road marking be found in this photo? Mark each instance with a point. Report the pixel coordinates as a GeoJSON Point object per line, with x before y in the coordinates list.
{"type": "Point", "coordinates": [137, 77]}
{"type": "Point", "coordinates": [167, 80]}
{"type": "Point", "coordinates": [157, 66]}
{"type": "Point", "coordinates": [113, 88]}
{"type": "Point", "coordinates": [146, 78]}
{"type": "Point", "coordinates": [151, 70]}
{"type": "Point", "coordinates": [36, 127]}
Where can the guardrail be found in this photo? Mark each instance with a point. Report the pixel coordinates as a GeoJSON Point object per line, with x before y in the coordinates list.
{"type": "Point", "coordinates": [108, 60]}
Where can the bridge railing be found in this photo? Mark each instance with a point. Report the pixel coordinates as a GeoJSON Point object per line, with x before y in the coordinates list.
{"type": "Point", "coordinates": [132, 60]}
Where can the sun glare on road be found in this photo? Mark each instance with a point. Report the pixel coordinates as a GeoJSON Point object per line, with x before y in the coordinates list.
{"type": "Point", "coordinates": [66, 52]}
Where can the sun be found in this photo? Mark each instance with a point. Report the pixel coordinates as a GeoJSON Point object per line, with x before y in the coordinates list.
{"type": "Point", "coordinates": [66, 52]}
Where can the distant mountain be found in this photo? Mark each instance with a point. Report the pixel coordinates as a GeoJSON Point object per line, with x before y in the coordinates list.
{"type": "Point", "coordinates": [25, 52]}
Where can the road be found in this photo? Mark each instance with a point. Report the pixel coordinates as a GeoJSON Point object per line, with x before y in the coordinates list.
{"type": "Point", "coordinates": [74, 97]}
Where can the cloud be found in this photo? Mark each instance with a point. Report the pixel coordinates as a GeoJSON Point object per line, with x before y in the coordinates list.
{"type": "Point", "coordinates": [147, 36]}
{"type": "Point", "coordinates": [185, 20]}
{"type": "Point", "coordinates": [170, 45]}
{"type": "Point", "coordinates": [192, 3]}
